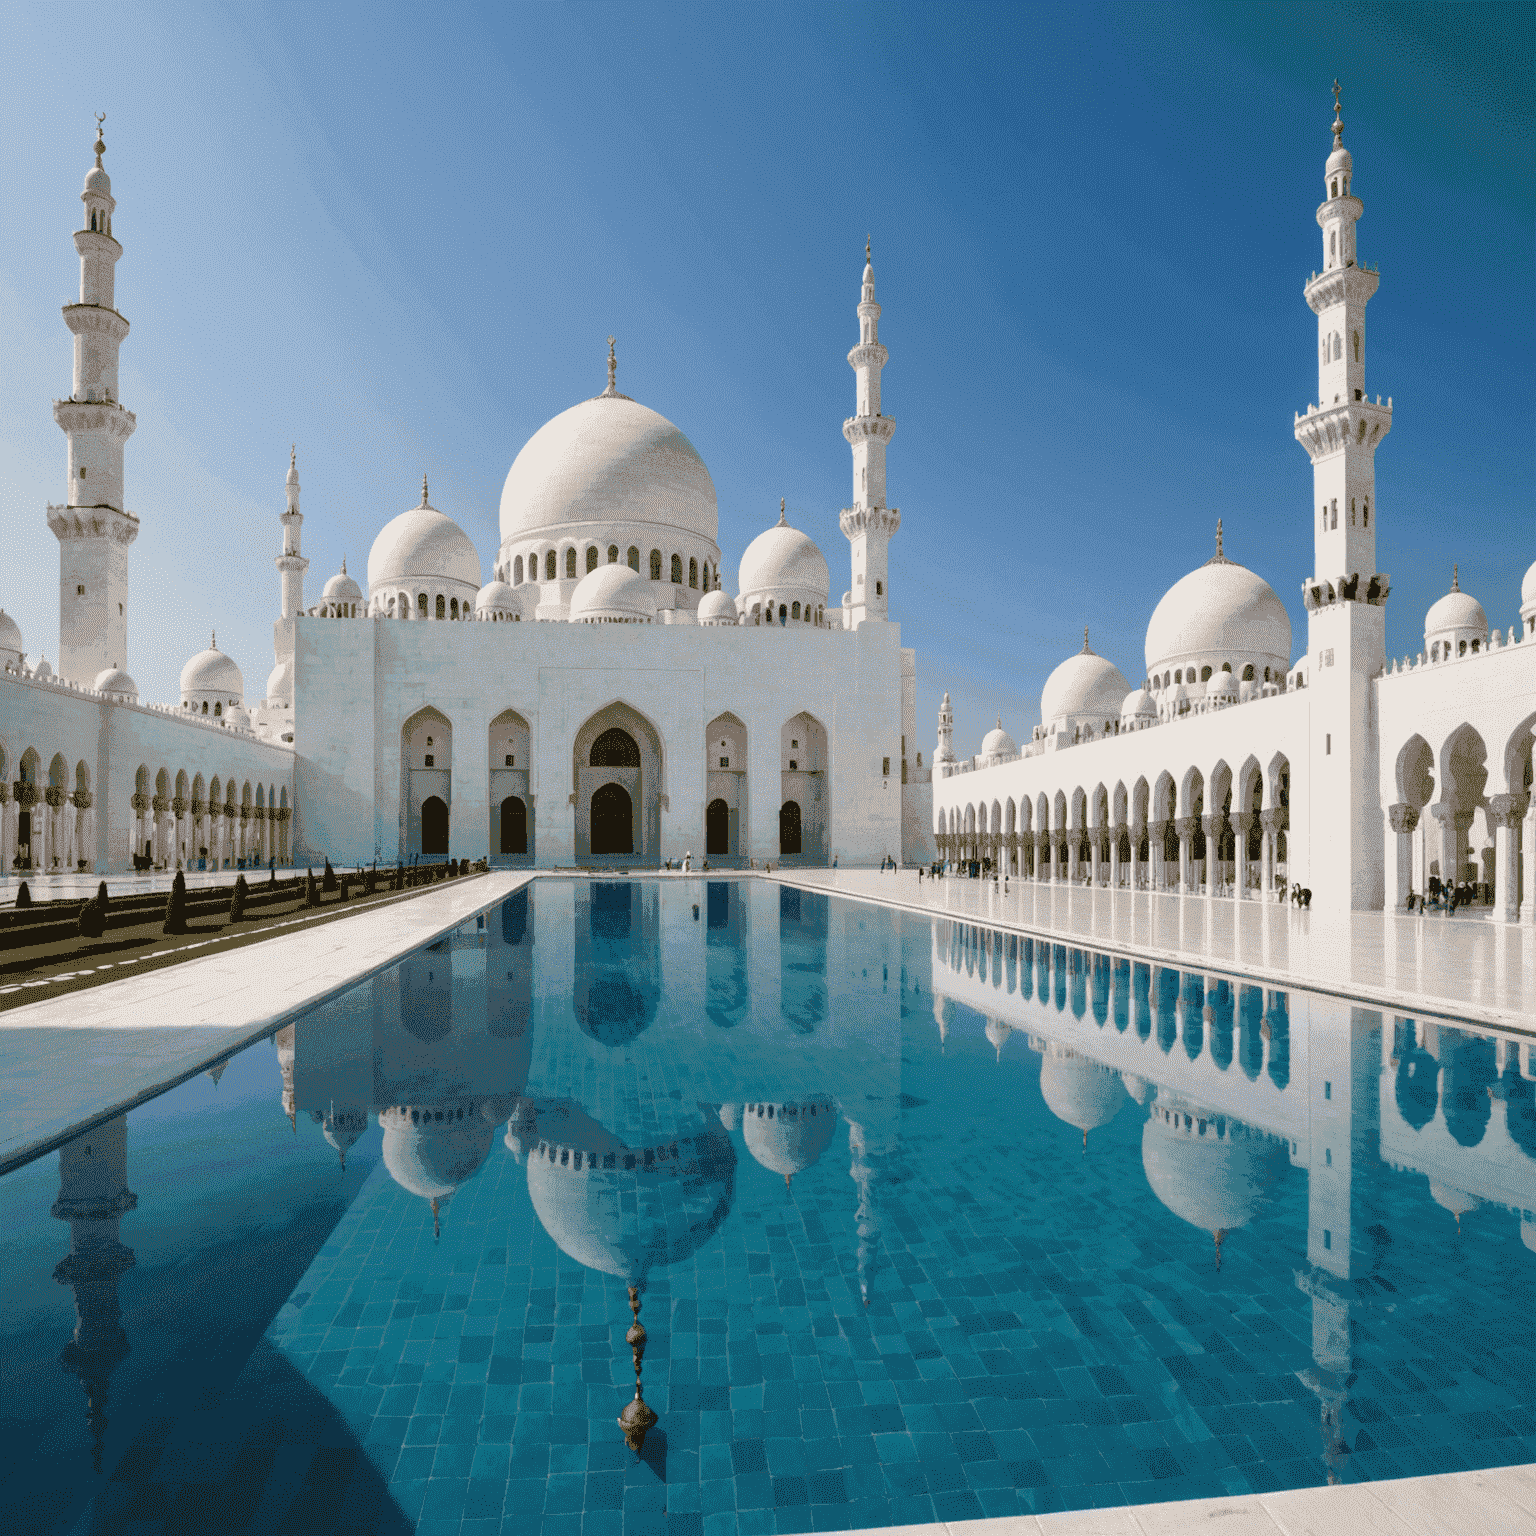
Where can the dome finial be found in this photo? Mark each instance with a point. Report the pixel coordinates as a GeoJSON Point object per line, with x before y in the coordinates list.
{"type": "Point", "coordinates": [613, 371]}
{"type": "Point", "coordinates": [869, 260]}
{"type": "Point", "coordinates": [1219, 554]}
{"type": "Point", "coordinates": [423, 490]}
{"type": "Point", "coordinates": [1086, 650]}
{"type": "Point", "coordinates": [213, 639]}
{"type": "Point", "coordinates": [101, 146]}
{"type": "Point", "coordinates": [1456, 578]}
{"type": "Point", "coordinates": [437, 1229]}
{"type": "Point", "coordinates": [1338, 119]}
{"type": "Point", "coordinates": [782, 523]}
{"type": "Point", "coordinates": [343, 565]}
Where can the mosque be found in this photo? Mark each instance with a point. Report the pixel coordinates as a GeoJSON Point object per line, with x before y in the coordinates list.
{"type": "Point", "coordinates": [1236, 771]}
{"type": "Point", "coordinates": [583, 705]}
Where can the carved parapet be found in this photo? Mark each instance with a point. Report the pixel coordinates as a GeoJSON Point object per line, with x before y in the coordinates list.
{"type": "Point", "coordinates": [1403, 817]}
{"type": "Point", "coordinates": [95, 320]}
{"type": "Point", "coordinates": [1321, 592]}
{"type": "Point", "coordinates": [69, 522]}
{"type": "Point", "coordinates": [865, 428]}
{"type": "Point", "coordinates": [856, 520]}
{"type": "Point", "coordinates": [868, 354]}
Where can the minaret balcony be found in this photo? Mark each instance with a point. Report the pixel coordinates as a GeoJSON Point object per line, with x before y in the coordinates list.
{"type": "Point", "coordinates": [100, 522]}
{"type": "Point", "coordinates": [95, 416]}
{"type": "Point", "coordinates": [856, 520]}
{"type": "Point", "coordinates": [93, 242]}
{"type": "Point", "coordinates": [864, 428]}
{"type": "Point", "coordinates": [95, 320]}
{"type": "Point", "coordinates": [868, 354]}
{"type": "Point", "coordinates": [1341, 285]}
{"type": "Point", "coordinates": [1326, 430]}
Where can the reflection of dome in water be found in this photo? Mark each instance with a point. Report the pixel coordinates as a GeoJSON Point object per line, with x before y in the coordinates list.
{"type": "Point", "coordinates": [343, 1126]}
{"type": "Point", "coordinates": [1210, 1171]}
{"type": "Point", "coordinates": [1528, 1228]}
{"type": "Point", "coordinates": [433, 1151]}
{"type": "Point", "coordinates": [1138, 1087]}
{"type": "Point", "coordinates": [997, 1034]}
{"type": "Point", "coordinates": [624, 1211]}
{"type": "Point", "coordinates": [1079, 1090]}
{"type": "Point", "coordinates": [788, 1138]}
{"type": "Point", "coordinates": [730, 1116]}
{"type": "Point", "coordinates": [612, 1007]}
{"type": "Point", "coordinates": [522, 1130]}
{"type": "Point", "coordinates": [1457, 1201]}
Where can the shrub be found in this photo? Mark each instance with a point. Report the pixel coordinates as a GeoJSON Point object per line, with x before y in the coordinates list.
{"type": "Point", "coordinates": [370, 880]}
{"type": "Point", "coordinates": [328, 881]}
{"type": "Point", "coordinates": [23, 895]}
{"type": "Point", "coordinates": [311, 890]}
{"type": "Point", "coordinates": [176, 906]}
{"type": "Point", "coordinates": [93, 914]}
{"type": "Point", "coordinates": [237, 899]}
{"type": "Point", "coordinates": [344, 882]}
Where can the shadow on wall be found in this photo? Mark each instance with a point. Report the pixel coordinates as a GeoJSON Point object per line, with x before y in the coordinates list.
{"type": "Point", "coordinates": [333, 820]}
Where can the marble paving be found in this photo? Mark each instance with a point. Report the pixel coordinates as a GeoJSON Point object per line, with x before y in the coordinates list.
{"type": "Point", "coordinates": [1467, 968]}
{"type": "Point", "coordinates": [71, 1060]}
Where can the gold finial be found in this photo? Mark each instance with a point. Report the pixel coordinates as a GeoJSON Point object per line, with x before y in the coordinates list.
{"type": "Point", "coordinates": [423, 490]}
{"type": "Point", "coordinates": [782, 523]}
{"type": "Point", "coordinates": [101, 146]}
{"type": "Point", "coordinates": [1219, 554]}
{"type": "Point", "coordinates": [1456, 578]}
{"type": "Point", "coordinates": [437, 1226]}
{"type": "Point", "coordinates": [1338, 119]}
{"type": "Point", "coordinates": [213, 639]}
{"type": "Point", "coordinates": [613, 370]}
{"type": "Point", "coordinates": [868, 259]}
{"type": "Point", "coordinates": [1085, 650]}
{"type": "Point", "coordinates": [343, 565]}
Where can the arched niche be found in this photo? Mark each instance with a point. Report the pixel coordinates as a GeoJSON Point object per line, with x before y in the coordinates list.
{"type": "Point", "coordinates": [509, 748]}
{"type": "Point", "coordinates": [803, 775]}
{"type": "Point", "coordinates": [725, 786]}
{"type": "Point", "coordinates": [426, 772]}
{"type": "Point", "coordinates": [618, 746]}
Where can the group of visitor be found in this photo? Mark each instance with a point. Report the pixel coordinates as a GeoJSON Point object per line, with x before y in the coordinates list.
{"type": "Point", "coordinates": [1447, 896]}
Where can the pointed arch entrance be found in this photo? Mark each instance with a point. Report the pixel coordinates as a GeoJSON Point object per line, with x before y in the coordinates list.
{"type": "Point", "coordinates": [725, 786]}
{"type": "Point", "coordinates": [612, 827]}
{"type": "Point", "coordinates": [426, 766]}
{"type": "Point", "coordinates": [511, 808]}
{"type": "Point", "coordinates": [618, 777]}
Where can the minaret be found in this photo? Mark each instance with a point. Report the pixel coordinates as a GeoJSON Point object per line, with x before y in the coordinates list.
{"type": "Point", "coordinates": [291, 564]}
{"type": "Point", "coordinates": [1342, 857]}
{"type": "Point", "coordinates": [92, 527]}
{"type": "Point", "coordinates": [868, 524]}
{"type": "Point", "coordinates": [945, 751]}
{"type": "Point", "coordinates": [93, 1197]}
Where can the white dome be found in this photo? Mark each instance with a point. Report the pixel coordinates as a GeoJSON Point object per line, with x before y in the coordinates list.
{"type": "Point", "coordinates": [1457, 1201]}
{"type": "Point", "coordinates": [97, 181]}
{"type": "Point", "coordinates": [213, 673]}
{"type": "Point", "coordinates": [608, 460]}
{"type": "Point", "coordinates": [500, 597]}
{"type": "Point", "coordinates": [613, 594]}
{"type": "Point", "coordinates": [1527, 590]}
{"type": "Point", "coordinates": [788, 1138]}
{"type": "Point", "coordinates": [1220, 612]}
{"type": "Point", "coordinates": [1078, 1090]}
{"type": "Point", "coordinates": [44, 671]}
{"type": "Point", "coordinates": [116, 683]}
{"type": "Point", "coordinates": [432, 1158]}
{"type": "Point", "coordinates": [782, 559]}
{"type": "Point", "coordinates": [280, 683]}
{"type": "Point", "coordinates": [1457, 610]}
{"type": "Point", "coordinates": [1223, 683]}
{"type": "Point", "coordinates": [1084, 686]}
{"type": "Point", "coordinates": [422, 545]}
{"type": "Point", "coordinates": [1139, 705]}
{"type": "Point", "coordinates": [998, 743]}
{"type": "Point", "coordinates": [717, 607]}
{"type": "Point", "coordinates": [341, 588]}
{"type": "Point", "coordinates": [10, 632]}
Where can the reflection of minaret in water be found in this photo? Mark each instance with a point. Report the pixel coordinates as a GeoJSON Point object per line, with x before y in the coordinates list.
{"type": "Point", "coordinates": [93, 1195]}
{"type": "Point", "coordinates": [867, 1148]}
{"type": "Point", "coordinates": [283, 1043]}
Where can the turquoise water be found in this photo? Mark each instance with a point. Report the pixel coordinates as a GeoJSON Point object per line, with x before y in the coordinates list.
{"type": "Point", "coordinates": [925, 1222]}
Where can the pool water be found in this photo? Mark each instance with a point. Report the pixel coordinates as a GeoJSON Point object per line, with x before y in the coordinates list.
{"type": "Point", "coordinates": [925, 1222]}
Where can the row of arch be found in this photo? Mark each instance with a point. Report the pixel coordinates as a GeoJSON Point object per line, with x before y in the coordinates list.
{"type": "Point", "coordinates": [437, 607]}
{"type": "Point", "coordinates": [1215, 833]}
{"type": "Point", "coordinates": [618, 786]}
{"type": "Point", "coordinates": [557, 564]}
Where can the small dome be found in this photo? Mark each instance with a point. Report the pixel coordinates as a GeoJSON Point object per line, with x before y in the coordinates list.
{"type": "Point", "coordinates": [499, 597]}
{"type": "Point", "coordinates": [1138, 705]}
{"type": "Point", "coordinates": [423, 545]}
{"type": "Point", "coordinates": [43, 671]}
{"type": "Point", "coordinates": [280, 684]}
{"type": "Point", "coordinates": [1456, 611]}
{"type": "Point", "coordinates": [213, 673]}
{"type": "Point", "coordinates": [782, 559]}
{"type": "Point", "coordinates": [1084, 686]}
{"type": "Point", "coordinates": [98, 182]}
{"type": "Point", "coordinates": [613, 594]}
{"type": "Point", "coordinates": [1078, 1090]}
{"type": "Point", "coordinates": [998, 743]}
{"type": "Point", "coordinates": [341, 588]}
{"type": "Point", "coordinates": [10, 632]}
{"type": "Point", "coordinates": [608, 460]}
{"type": "Point", "coordinates": [1339, 160]}
{"type": "Point", "coordinates": [788, 1138]}
{"type": "Point", "coordinates": [116, 683]}
{"type": "Point", "coordinates": [1220, 612]}
{"type": "Point", "coordinates": [1457, 1201]}
{"type": "Point", "coordinates": [717, 607]}
{"type": "Point", "coordinates": [342, 1127]}
{"type": "Point", "coordinates": [1223, 684]}
{"type": "Point", "coordinates": [432, 1157]}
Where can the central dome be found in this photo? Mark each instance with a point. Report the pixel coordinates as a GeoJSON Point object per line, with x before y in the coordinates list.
{"type": "Point", "coordinates": [1220, 613]}
{"type": "Point", "coordinates": [608, 460]}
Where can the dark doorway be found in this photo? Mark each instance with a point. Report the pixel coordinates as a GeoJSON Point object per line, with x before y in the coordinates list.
{"type": "Point", "coordinates": [514, 825]}
{"type": "Point", "coordinates": [434, 825]}
{"type": "Point", "coordinates": [613, 816]}
{"type": "Point", "coordinates": [789, 827]}
{"type": "Point", "coordinates": [615, 749]}
{"type": "Point", "coordinates": [24, 835]}
{"type": "Point", "coordinates": [717, 827]}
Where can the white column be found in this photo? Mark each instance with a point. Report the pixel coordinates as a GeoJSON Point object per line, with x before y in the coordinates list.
{"type": "Point", "coordinates": [1401, 820]}
{"type": "Point", "coordinates": [1505, 812]}
{"type": "Point", "coordinates": [1528, 904]}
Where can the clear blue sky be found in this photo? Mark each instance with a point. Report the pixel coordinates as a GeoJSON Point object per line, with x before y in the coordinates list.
{"type": "Point", "coordinates": [399, 235]}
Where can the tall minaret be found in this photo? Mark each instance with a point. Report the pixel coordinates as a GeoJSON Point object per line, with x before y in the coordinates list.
{"type": "Point", "coordinates": [1342, 851]}
{"type": "Point", "coordinates": [291, 563]}
{"type": "Point", "coordinates": [945, 751]}
{"type": "Point", "coordinates": [92, 526]}
{"type": "Point", "coordinates": [868, 524]}
{"type": "Point", "coordinates": [1342, 430]}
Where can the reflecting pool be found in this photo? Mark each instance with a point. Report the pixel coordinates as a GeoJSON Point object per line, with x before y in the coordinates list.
{"type": "Point", "coordinates": [923, 1222]}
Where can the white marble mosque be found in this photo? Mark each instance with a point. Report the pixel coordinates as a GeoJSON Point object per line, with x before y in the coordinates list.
{"type": "Point", "coordinates": [1237, 769]}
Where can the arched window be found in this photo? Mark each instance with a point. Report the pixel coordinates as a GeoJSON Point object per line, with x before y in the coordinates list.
{"type": "Point", "coordinates": [879, 589]}
{"type": "Point", "coordinates": [1333, 191]}
{"type": "Point", "coordinates": [549, 566]}
{"type": "Point", "coordinates": [218, 709]}
{"type": "Point", "coordinates": [453, 607]}
{"type": "Point", "coordinates": [1461, 647]}
{"type": "Point", "coordinates": [655, 565]}
{"type": "Point", "coordinates": [794, 612]}
{"type": "Point", "coordinates": [591, 557]}
{"type": "Point", "coordinates": [613, 554]}
{"type": "Point", "coordinates": [1335, 519]}
{"type": "Point", "coordinates": [421, 605]}
{"type": "Point", "coordinates": [1333, 247]}
{"type": "Point", "coordinates": [1365, 521]}
{"type": "Point", "coordinates": [205, 706]}
{"type": "Point", "coordinates": [1351, 511]}
{"type": "Point", "coordinates": [570, 565]}
{"type": "Point", "coordinates": [782, 614]}
{"type": "Point", "coordinates": [1248, 673]}
{"type": "Point", "coordinates": [633, 558]}
{"type": "Point", "coordinates": [1178, 676]}
{"type": "Point", "coordinates": [442, 607]}
{"type": "Point", "coordinates": [1205, 674]}
{"type": "Point", "coordinates": [517, 571]}
{"type": "Point", "coordinates": [1356, 339]}
{"type": "Point", "coordinates": [677, 570]}
{"type": "Point", "coordinates": [693, 574]}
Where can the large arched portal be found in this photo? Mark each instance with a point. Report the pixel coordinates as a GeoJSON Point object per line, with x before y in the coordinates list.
{"type": "Point", "coordinates": [803, 784]}
{"type": "Point", "coordinates": [617, 749]}
{"type": "Point", "coordinates": [509, 746]}
{"type": "Point", "coordinates": [426, 764]}
{"type": "Point", "coordinates": [725, 784]}
{"type": "Point", "coordinates": [613, 820]}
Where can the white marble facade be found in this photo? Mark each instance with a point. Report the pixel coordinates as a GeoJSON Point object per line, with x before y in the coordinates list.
{"type": "Point", "coordinates": [1235, 771]}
